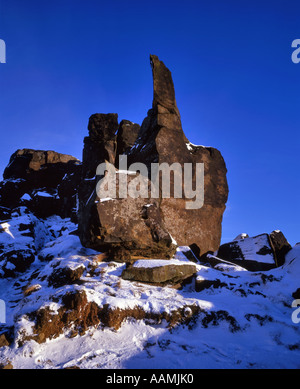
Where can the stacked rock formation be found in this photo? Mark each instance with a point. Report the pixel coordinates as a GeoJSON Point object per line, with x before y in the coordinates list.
{"type": "Point", "coordinates": [44, 181]}
{"type": "Point", "coordinates": [159, 140]}
{"type": "Point", "coordinates": [123, 227]}
{"type": "Point", "coordinates": [162, 140]}
{"type": "Point", "coordinates": [51, 183]}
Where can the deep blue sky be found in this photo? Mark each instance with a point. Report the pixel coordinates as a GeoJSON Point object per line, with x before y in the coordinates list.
{"type": "Point", "coordinates": [236, 87]}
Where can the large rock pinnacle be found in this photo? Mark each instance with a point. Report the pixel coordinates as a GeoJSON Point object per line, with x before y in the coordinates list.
{"type": "Point", "coordinates": [120, 224]}
{"type": "Point", "coordinates": [162, 140]}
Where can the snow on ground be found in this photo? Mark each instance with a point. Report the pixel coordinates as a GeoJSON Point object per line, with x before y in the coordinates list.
{"type": "Point", "coordinates": [244, 318]}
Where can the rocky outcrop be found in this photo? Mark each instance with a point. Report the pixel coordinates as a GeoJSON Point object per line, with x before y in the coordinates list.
{"type": "Point", "coordinates": [24, 162]}
{"type": "Point", "coordinates": [125, 228]}
{"type": "Point", "coordinates": [72, 289]}
{"type": "Point", "coordinates": [19, 242]}
{"type": "Point", "coordinates": [162, 140]}
{"type": "Point", "coordinates": [126, 137]}
{"type": "Point", "coordinates": [280, 246]}
{"type": "Point", "coordinates": [54, 287]}
{"type": "Point", "coordinates": [261, 252]}
{"type": "Point", "coordinates": [76, 312]}
{"type": "Point", "coordinates": [101, 143]}
{"type": "Point", "coordinates": [33, 178]}
{"type": "Point", "coordinates": [99, 146]}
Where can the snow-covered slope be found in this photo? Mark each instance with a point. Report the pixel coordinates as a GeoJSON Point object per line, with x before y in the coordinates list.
{"type": "Point", "coordinates": [225, 317]}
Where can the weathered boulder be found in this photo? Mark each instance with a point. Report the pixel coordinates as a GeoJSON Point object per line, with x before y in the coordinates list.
{"type": "Point", "coordinates": [44, 204]}
{"type": "Point", "coordinates": [20, 238]}
{"type": "Point", "coordinates": [158, 271]}
{"type": "Point", "coordinates": [125, 227]}
{"type": "Point", "coordinates": [162, 140]}
{"type": "Point", "coordinates": [253, 253]}
{"type": "Point", "coordinates": [280, 246]}
{"type": "Point", "coordinates": [11, 191]}
{"type": "Point", "coordinates": [126, 137]}
{"type": "Point", "coordinates": [39, 167]}
{"type": "Point", "coordinates": [99, 146]}
{"type": "Point", "coordinates": [32, 172]}
{"type": "Point", "coordinates": [101, 143]}
{"type": "Point", "coordinates": [261, 252]}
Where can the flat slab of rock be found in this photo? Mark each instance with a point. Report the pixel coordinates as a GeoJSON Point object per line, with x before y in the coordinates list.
{"type": "Point", "coordinates": [159, 271]}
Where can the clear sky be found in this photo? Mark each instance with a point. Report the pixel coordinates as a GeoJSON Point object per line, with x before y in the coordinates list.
{"type": "Point", "coordinates": [236, 86]}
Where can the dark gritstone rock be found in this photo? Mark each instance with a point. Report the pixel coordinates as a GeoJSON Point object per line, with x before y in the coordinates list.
{"type": "Point", "coordinates": [254, 253]}
{"type": "Point", "coordinates": [11, 191]}
{"type": "Point", "coordinates": [101, 143]}
{"type": "Point", "coordinates": [280, 246]}
{"type": "Point", "coordinates": [92, 155]}
{"type": "Point", "coordinates": [40, 168]}
{"type": "Point", "coordinates": [32, 178]}
{"type": "Point", "coordinates": [126, 137]}
{"type": "Point", "coordinates": [161, 139]}
{"type": "Point", "coordinates": [15, 261]}
{"type": "Point", "coordinates": [65, 276]}
{"type": "Point", "coordinates": [126, 227]}
{"type": "Point", "coordinates": [117, 225]}
{"type": "Point", "coordinates": [99, 146]}
{"type": "Point", "coordinates": [167, 273]}
{"type": "Point", "coordinates": [296, 294]}
{"type": "Point", "coordinates": [67, 192]}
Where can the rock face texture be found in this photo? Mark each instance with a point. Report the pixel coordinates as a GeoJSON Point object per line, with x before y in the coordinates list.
{"type": "Point", "coordinates": [140, 234]}
{"type": "Point", "coordinates": [19, 242]}
{"type": "Point", "coordinates": [125, 228]}
{"type": "Point", "coordinates": [101, 143]}
{"type": "Point", "coordinates": [23, 163]}
{"type": "Point", "coordinates": [120, 225]}
{"type": "Point", "coordinates": [280, 246]}
{"type": "Point", "coordinates": [162, 140]}
{"type": "Point", "coordinates": [127, 135]}
{"type": "Point", "coordinates": [36, 179]}
{"type": "Point", "coordinates": [159, 271]}
{"type": "Point", "coordinates": [261, 252]}
{"type": "Point", "coordinates": [99, 146]}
